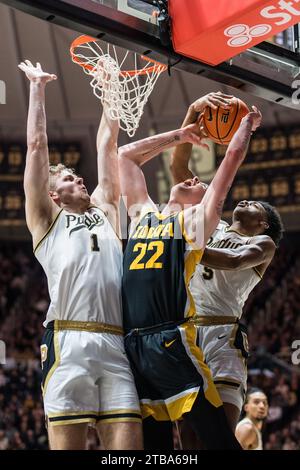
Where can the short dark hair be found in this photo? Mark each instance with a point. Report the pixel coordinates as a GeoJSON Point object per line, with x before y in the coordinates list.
{"type": "Point", "coordinates": [275, 230]}
{"type": "Point", "coordinates": [251, 391]}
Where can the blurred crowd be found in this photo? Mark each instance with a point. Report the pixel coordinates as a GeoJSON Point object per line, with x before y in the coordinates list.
{"type": "Point", "coordinates": [271, 315]}
{"type": "Point", "coordinates": [272, 310]}
{"type": "Point", "coordinates": [281, 430]}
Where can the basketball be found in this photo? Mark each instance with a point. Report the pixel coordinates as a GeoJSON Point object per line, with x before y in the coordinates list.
{"type": "Point", "coordinates": [221, 124]}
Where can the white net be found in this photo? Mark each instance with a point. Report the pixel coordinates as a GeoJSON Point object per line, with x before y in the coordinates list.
{"type": "Point", "coordinates": [125, 91]}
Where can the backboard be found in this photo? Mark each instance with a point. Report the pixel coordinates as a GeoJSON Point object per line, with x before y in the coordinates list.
{"type": "Point", "coordinates": [140, 15]}
{"type": "Point", "coordinates": [135, 8]}
{"type": "Point", "coordinates": [267, 70]}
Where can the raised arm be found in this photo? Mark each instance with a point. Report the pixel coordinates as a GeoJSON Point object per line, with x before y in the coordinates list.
{"type": "Point", "coordinates": [40, 209]}
{"type": "Point", "coordinates": [107, 193]}
{"type": "Point", "coordinates": [134, 155]}
{"type": "Point", "coordinates": [259, 252]}
{"type": "Point", "coordinates": [179, 163]}
{"type": "Point", "coordinates": [201, 220]}
{"type": "Point", "coordinates": [217, 191]}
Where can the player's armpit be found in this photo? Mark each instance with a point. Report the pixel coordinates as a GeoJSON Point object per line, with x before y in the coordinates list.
{"type": "Point", "coordinates": [133, 187]}
{"type": "Point", "coordinates": [192, 224]}
{"type": "Point", "coordinates": [39, 208]}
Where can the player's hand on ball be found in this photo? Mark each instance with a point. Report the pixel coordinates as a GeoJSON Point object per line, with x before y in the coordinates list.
{"type": "Point", "coordinates": [213, 100]}
{"type": "Point", "coordinates": [254, 117]}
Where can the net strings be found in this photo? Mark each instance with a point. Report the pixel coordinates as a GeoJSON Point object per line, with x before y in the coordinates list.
{"type": "Point", "coordinates": [125, 94]}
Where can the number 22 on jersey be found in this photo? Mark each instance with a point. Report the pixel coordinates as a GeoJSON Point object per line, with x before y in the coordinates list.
{"type": "Point", "coordinates": [157, 247]}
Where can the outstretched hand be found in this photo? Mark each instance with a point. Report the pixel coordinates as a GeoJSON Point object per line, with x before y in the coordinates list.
{"type": "Point", "coordinates": [213, 100]}
{"type": "Point", "coordinates": [35, 73]}
{"type": "Point", "coordinates": [254, 117]}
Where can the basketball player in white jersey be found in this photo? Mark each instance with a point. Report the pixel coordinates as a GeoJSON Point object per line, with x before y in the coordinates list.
{"type": "Point", "coordinates": [248, 430]}
{"type": "Point", "coordinates": [233, 263]}
{"type": "Point", "coordinates": [86, 374]}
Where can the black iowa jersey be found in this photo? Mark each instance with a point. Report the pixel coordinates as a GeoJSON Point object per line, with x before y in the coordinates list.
{"type": "Point", "coordinates": [158, 266]}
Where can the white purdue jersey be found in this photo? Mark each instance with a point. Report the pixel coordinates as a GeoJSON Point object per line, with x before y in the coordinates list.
{"type": "Point", "coordinates": [82, 258]}
{"type": "Point", "coordinates": [258, 433]}
{"type": "Point", "coordinates": [217, 292]}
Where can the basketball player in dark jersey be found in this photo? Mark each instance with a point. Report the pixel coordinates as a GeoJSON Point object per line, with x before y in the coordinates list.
{"type": "Point", "coordinates": [160, 259]}
{"type": "Point", "coordinates": [234, 261]}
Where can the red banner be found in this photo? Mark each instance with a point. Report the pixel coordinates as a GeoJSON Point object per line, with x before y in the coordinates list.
{"type": "Point", "coordinates": [213, 31]}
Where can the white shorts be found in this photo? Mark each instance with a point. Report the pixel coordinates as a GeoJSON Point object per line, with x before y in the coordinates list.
{"type": "Point", "coordinates": [225, 349]}
{"type": "Point", "coordinates": [87, 378]}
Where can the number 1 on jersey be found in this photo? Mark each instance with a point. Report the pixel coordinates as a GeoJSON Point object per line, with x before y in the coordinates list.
{"type": "Point", "coordinates": [94, 242]}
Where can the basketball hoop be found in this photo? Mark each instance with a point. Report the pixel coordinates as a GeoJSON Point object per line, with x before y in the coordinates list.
{"type": "Point", "coordinates": [120, 83]}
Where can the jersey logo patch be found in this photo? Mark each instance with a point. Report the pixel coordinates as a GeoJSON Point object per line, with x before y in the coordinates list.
{"type": "Point", "coordinates": [222, 336]}
{"type": "Point", "coordinates": [83, 221]}
{"type": "Point", "coordinates": [168, 344]}
{"type": "Point", "coordinates": [44, 353]}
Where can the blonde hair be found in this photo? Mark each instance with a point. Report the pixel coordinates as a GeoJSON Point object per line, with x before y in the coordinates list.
{"type": "Point", "coordinates": [55, 171]}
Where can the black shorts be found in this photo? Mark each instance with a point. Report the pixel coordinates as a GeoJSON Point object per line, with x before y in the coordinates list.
{"type": "Point", "coordinates": [169, 370]}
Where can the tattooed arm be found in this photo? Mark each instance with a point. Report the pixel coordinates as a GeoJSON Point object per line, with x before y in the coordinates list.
{"type": "Point", "coordinates": [143, 150]}
{"type": "Point", "coordinates": [201, 220]}
{"type": "Point", "coordinates": [134, 155]}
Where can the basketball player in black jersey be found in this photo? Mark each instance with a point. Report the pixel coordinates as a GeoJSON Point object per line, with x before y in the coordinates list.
{"type": "Point", "coordinates": [161, 255]}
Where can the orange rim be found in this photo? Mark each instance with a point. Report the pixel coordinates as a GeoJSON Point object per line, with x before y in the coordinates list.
{"type": "Point", "coordinates": [157, 66]}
